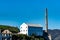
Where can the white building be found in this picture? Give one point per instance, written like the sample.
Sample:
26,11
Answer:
30,29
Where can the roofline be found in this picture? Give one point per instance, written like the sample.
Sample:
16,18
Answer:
35,25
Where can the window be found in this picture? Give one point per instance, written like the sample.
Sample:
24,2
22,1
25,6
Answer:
5,34
26,30
21,27
23,30
26,27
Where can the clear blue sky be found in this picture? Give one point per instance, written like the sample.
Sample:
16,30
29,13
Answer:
15,12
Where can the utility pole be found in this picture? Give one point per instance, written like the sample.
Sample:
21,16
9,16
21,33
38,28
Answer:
46,19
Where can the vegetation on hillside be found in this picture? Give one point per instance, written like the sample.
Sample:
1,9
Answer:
25,37
10,28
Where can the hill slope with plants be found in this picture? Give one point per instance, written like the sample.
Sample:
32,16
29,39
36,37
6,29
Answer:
25,37
10,28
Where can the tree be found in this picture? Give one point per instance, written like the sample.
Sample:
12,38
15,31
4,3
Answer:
10,28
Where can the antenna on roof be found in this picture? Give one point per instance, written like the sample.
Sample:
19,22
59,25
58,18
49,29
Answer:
46,19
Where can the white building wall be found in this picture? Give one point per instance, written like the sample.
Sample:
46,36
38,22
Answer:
24,29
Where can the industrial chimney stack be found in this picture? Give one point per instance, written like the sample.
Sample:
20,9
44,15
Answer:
46,19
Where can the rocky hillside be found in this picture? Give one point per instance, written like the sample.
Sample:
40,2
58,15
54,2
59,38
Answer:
55,34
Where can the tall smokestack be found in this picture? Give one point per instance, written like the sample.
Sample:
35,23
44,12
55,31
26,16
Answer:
46,19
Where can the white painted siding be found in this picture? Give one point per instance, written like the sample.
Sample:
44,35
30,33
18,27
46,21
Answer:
24,29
